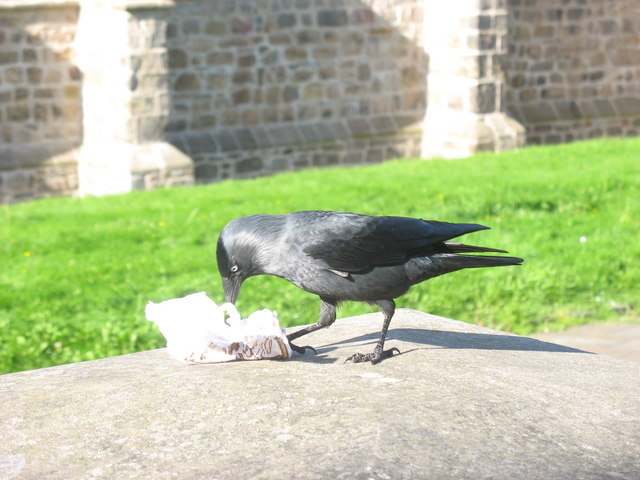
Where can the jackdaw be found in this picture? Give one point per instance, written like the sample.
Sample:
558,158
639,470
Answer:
343,256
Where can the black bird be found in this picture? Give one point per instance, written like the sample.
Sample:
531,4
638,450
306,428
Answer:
345,256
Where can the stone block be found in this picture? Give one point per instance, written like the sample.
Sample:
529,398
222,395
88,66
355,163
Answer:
284,135
246,60
336,129
157,161
540,112
24,93
303,75
14,75
604,107
8,160
280,39
260,136
295,54
187,82
8,57
484,98
198,143
362,16
383,124
309,133
226,140
308,36
245,139
327,72
220,58
74,73
178,142
215,27
359,126
568,110
313,92
241,26
40,113
242,76
18,112
177,58
206,172
626,107
67,111
332,18
325,159
248,165
287,20
217,81
241,96
375,155
19,182
191,26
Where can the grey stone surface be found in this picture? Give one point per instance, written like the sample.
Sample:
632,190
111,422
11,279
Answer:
619,340
461,401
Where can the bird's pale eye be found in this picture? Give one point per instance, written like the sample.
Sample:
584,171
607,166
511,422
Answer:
234,269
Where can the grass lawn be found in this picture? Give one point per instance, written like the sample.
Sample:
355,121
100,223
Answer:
77,273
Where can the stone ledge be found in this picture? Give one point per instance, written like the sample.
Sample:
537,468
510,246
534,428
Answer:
461,401
256,137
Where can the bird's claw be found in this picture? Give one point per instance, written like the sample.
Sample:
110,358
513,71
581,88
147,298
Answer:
301,350
374,357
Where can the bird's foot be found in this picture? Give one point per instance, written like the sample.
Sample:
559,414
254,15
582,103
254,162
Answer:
301,350
374,357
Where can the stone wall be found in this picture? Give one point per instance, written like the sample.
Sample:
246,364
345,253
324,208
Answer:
101,97
574,68
40,102
467,47
258,87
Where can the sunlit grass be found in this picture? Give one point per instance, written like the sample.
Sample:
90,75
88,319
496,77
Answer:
76,273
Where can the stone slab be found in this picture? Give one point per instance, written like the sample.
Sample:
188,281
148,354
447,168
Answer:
461,401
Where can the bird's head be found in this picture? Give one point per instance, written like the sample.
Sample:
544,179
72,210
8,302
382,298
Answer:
240,255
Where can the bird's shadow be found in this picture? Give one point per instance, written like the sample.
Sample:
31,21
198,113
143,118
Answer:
445,339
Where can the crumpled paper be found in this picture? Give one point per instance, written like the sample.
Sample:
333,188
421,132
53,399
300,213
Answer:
199,331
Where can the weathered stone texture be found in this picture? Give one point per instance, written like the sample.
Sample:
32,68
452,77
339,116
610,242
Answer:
573,68
466,109
249,84
459,402
287,66
248,88
40,103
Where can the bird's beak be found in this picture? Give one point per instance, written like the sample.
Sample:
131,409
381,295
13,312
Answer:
231,286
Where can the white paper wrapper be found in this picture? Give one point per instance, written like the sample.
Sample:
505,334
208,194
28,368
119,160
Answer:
199,331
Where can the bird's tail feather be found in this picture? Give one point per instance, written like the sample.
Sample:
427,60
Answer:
455,247
442,263
453,262
423,268
475,261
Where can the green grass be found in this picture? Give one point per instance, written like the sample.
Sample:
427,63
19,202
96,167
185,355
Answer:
77,273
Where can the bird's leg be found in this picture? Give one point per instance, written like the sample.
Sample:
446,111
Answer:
388,308
327,317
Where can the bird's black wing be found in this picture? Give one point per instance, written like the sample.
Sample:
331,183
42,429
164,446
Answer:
353,243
